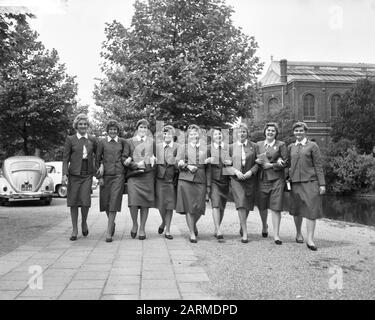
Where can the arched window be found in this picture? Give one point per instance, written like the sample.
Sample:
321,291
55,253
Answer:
335,101
273,104
309,107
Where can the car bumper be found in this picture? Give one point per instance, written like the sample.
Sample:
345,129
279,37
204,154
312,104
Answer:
26,196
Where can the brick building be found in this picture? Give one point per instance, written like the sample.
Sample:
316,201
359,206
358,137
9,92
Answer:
312,89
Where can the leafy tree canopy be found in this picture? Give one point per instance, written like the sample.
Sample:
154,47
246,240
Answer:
37,96
181,62
356,116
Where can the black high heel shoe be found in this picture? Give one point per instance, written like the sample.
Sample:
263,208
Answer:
160,230
73,238
244,240
133,234
142,237
278,242
108,239
168,236
313,248
85,233
193,240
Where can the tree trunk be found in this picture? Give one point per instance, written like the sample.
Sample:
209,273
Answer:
25,142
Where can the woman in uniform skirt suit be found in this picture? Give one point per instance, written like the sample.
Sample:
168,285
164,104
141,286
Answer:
141,178
112,155
193,180
220,176
79,166
244,181
166,177
308,183
271,178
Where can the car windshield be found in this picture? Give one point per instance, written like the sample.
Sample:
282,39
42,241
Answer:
25,165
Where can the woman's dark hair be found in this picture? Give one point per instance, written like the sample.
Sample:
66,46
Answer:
271,124
300,124
144,122
113,123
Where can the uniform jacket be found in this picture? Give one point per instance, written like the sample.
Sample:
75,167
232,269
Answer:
73,153
251,155
166,162
112,155
219,171
305,163
140,150
279,150
190,155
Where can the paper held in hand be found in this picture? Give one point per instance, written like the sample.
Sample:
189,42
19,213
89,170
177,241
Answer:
262,158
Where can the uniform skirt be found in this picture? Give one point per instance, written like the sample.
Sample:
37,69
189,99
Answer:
79,191
219,194
166,194
110,196
191,198
305,200
271,195
243,193
141,190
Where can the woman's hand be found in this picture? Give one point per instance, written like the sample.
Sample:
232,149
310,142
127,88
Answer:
128,161
259,161
209,160
248,174
192,169
322,190
228,162
280,162
267,165
141,164
64,179
100,171
240,175
181,164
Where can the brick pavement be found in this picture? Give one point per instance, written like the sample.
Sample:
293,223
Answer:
91,269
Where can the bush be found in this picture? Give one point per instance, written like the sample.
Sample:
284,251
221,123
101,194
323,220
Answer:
348,171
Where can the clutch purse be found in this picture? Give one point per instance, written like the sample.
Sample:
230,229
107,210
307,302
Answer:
134,173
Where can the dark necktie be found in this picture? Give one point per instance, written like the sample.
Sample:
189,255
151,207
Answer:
220,155
197,155
165,153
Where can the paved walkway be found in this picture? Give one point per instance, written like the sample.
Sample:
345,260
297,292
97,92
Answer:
90,268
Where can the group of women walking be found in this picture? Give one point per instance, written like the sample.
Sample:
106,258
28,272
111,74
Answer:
181,176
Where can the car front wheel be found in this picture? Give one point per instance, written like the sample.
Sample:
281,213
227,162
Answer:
62,191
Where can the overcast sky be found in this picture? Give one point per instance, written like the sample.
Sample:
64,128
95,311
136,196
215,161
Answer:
297,30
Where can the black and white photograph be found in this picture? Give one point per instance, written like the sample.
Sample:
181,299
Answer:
191,153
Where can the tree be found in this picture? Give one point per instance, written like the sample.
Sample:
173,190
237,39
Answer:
181,62
36,95
356,116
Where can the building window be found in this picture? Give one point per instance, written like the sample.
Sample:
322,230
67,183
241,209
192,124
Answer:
273,105
309,107
335,101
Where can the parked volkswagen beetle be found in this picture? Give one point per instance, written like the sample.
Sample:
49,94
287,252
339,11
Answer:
25,178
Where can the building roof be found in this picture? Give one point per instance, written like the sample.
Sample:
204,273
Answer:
318,71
